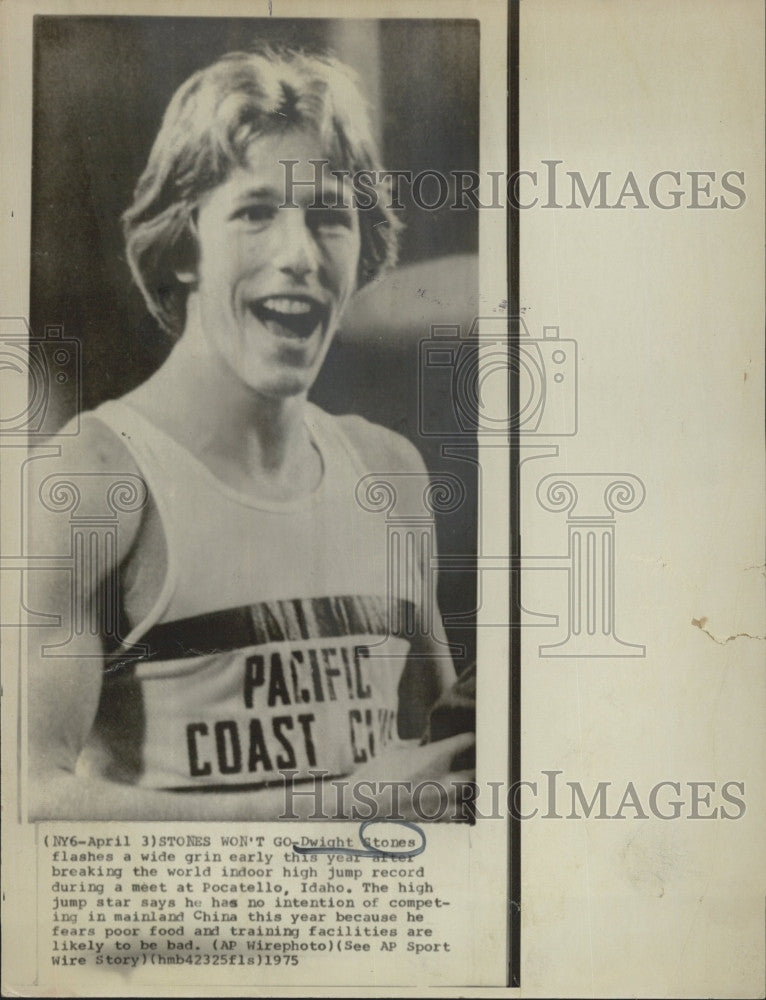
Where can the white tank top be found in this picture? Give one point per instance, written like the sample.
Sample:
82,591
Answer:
269,646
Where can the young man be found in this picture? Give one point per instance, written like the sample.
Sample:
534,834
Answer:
259,632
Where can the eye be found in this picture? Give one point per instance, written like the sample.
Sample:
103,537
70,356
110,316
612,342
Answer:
256,214
329,218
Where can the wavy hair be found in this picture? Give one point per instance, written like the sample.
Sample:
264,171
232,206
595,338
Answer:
206,132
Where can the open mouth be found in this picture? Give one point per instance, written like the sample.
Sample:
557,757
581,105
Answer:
294,316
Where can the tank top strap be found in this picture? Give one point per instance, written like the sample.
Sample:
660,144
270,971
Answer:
152,449
334,442
153,452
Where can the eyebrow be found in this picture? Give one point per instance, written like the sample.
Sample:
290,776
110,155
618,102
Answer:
315,194
261,192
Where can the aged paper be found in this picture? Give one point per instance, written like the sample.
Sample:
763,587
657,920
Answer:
613,268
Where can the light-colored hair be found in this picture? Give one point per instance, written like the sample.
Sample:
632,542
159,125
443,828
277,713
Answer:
206,132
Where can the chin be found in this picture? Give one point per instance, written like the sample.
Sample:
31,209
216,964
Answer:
284,386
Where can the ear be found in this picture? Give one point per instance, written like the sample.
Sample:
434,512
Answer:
185,252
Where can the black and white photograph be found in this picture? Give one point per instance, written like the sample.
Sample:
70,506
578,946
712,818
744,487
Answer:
381,498
244,233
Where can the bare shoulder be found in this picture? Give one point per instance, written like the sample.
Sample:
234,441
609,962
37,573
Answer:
91,471
381,449
91,444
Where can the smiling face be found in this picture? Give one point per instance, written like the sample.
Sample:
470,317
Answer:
272,282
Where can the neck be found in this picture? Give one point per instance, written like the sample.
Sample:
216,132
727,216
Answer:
224,422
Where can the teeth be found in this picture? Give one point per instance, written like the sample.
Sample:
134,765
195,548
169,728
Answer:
291,307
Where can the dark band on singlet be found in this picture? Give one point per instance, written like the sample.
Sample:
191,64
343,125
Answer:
266,622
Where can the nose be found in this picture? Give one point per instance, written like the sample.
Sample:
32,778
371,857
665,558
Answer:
297,255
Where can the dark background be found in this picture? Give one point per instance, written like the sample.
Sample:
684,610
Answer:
101,85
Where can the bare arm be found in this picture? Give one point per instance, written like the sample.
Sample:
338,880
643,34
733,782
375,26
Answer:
430,670
63,698
64,690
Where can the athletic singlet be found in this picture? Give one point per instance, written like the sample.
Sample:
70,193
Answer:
269,646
